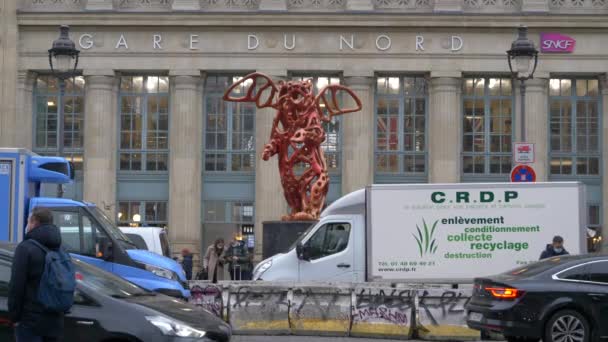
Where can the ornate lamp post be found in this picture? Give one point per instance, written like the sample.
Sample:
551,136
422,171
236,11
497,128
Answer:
63,60
523,59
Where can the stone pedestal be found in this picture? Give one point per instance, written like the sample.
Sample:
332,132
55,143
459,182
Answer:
278,236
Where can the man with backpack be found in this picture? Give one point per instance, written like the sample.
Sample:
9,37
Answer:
42,282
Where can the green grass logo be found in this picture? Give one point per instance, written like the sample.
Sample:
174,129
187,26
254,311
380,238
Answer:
427,243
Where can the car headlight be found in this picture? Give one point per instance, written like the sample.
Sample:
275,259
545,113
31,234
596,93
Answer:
261,268
161,272
171,327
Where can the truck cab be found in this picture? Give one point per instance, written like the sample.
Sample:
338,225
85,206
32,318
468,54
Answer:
332,249
85,230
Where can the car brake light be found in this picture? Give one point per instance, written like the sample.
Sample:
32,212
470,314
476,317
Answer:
504,292
79,276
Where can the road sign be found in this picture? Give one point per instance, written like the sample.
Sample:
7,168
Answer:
523,153
523,173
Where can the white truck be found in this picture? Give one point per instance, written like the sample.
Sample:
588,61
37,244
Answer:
445,233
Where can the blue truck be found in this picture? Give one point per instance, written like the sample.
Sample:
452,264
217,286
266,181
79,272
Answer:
86,231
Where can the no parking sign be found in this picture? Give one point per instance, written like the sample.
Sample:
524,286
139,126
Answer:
523,173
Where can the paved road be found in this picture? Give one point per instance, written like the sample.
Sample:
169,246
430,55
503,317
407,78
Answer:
304,339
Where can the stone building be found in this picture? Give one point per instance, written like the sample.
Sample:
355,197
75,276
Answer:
154,143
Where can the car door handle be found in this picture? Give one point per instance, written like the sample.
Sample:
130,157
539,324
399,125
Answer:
596,295
343,265
85,322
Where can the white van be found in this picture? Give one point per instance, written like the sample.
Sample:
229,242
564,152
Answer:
153,239
434,232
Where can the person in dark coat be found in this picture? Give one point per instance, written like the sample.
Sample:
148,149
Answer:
187,263
32,323
554,249
239,260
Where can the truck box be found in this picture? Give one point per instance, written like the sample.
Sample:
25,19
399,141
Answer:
440,233
454,232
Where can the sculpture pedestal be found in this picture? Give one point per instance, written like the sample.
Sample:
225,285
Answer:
278,236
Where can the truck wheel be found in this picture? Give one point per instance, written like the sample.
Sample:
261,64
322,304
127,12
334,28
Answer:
567,326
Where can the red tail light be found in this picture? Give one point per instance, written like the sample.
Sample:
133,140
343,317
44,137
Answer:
504,292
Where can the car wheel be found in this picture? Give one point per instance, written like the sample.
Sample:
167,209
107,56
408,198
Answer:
567,326
521,339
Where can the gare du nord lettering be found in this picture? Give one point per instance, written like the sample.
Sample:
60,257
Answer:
343,42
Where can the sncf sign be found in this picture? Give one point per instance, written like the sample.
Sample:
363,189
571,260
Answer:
556,43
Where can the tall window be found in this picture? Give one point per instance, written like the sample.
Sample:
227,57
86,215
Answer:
229,128
487,126
228,212
575,126
401,109
49,105
144,123
142,213
333,141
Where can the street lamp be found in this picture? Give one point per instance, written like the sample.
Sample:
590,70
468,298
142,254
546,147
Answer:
63,60
521,54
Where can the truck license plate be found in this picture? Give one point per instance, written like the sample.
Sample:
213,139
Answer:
475,316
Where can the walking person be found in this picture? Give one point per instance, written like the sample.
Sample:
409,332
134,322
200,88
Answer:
187,263
238,259
37,302
554,249
213,262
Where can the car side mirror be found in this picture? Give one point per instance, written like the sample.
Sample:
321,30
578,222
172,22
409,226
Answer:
105,250
303,252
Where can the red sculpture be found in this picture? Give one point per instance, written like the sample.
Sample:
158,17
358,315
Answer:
296,136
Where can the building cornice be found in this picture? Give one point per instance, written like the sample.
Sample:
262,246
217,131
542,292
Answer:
295,20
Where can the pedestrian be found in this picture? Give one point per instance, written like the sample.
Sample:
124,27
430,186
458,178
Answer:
554,249
237,256
213,262
187,263
37,318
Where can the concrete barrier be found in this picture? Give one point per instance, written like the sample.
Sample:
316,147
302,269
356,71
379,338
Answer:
380,311
209,296
401,311
441,315
259,309
321,310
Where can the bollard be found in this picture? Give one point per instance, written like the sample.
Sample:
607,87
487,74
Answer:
322,310
259,309
441,315
382,312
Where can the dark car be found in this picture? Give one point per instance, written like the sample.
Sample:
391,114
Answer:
109,308
560,299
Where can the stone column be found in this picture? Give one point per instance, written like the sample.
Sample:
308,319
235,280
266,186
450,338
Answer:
358,136
270,204
604,132
445,128
8,72
537,124
100,139
23,129
185,175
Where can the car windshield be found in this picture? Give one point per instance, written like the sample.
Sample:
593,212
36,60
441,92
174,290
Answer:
110,227
301,237
536,268
106,283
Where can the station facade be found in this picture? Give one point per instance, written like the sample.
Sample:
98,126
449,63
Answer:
154,144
